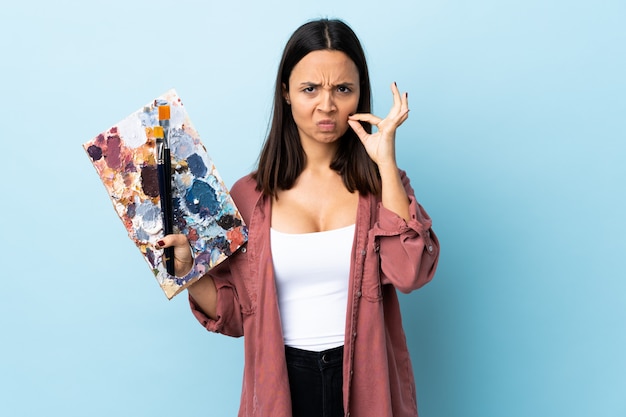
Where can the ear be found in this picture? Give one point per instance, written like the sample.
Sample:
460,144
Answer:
286,94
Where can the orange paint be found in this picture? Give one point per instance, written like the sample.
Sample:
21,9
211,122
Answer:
236,238
164,112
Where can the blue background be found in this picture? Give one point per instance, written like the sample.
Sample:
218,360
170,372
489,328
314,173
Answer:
515,145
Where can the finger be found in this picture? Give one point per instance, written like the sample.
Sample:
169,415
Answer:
404,108
172,240
358,129
183,257
400,103
405,102
398,99
395,92
366,117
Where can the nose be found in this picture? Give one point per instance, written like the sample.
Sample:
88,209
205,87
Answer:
327,102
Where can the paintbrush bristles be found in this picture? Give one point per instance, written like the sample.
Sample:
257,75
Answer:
158,132
164,112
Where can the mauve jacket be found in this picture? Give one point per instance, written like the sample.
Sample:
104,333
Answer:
388,253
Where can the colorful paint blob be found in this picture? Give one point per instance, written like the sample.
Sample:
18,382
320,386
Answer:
124,157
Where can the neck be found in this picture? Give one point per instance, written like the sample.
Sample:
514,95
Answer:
319,155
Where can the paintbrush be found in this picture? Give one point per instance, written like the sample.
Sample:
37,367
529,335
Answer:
164,170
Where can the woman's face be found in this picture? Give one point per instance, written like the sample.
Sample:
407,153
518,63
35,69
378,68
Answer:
323,92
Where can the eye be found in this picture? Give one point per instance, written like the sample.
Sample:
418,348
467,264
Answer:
344,89
309,89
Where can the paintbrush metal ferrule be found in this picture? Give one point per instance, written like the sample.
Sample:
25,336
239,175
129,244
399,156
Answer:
160,143
160,151
165,125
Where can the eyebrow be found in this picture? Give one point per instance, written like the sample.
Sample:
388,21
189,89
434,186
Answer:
312,84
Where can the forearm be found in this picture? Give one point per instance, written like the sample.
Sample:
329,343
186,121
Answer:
408,250
204,293
394,196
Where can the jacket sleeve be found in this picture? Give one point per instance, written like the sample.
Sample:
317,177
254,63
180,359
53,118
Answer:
232,297
409,251
229,318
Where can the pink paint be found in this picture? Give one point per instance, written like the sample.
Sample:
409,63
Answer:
114,148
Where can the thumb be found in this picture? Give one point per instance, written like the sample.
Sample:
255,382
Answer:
358,129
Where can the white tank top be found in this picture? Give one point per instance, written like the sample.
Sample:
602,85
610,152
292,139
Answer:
312,274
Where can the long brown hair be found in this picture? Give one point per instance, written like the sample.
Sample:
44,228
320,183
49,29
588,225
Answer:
282,158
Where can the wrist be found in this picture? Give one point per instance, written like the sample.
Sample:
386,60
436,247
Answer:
388,168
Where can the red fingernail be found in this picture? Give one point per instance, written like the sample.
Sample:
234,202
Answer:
160,243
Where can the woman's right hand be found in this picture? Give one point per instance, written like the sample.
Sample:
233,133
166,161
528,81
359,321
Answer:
183,259
202,291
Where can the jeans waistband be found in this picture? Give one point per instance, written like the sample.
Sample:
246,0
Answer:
312,359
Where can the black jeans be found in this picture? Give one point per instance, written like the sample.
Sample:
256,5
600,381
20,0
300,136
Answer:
315,381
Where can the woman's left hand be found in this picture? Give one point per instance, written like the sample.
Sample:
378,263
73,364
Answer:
380,145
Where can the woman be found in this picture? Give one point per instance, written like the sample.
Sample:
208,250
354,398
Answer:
334,230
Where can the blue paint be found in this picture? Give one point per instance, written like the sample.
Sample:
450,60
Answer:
150,215
130,210
201,199
182,145
197,166
149,117
142,235
179,215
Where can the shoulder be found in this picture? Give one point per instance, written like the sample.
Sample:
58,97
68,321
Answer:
245,185
245,194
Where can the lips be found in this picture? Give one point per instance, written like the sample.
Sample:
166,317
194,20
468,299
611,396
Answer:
326,125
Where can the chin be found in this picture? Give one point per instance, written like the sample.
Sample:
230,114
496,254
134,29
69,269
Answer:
329,138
